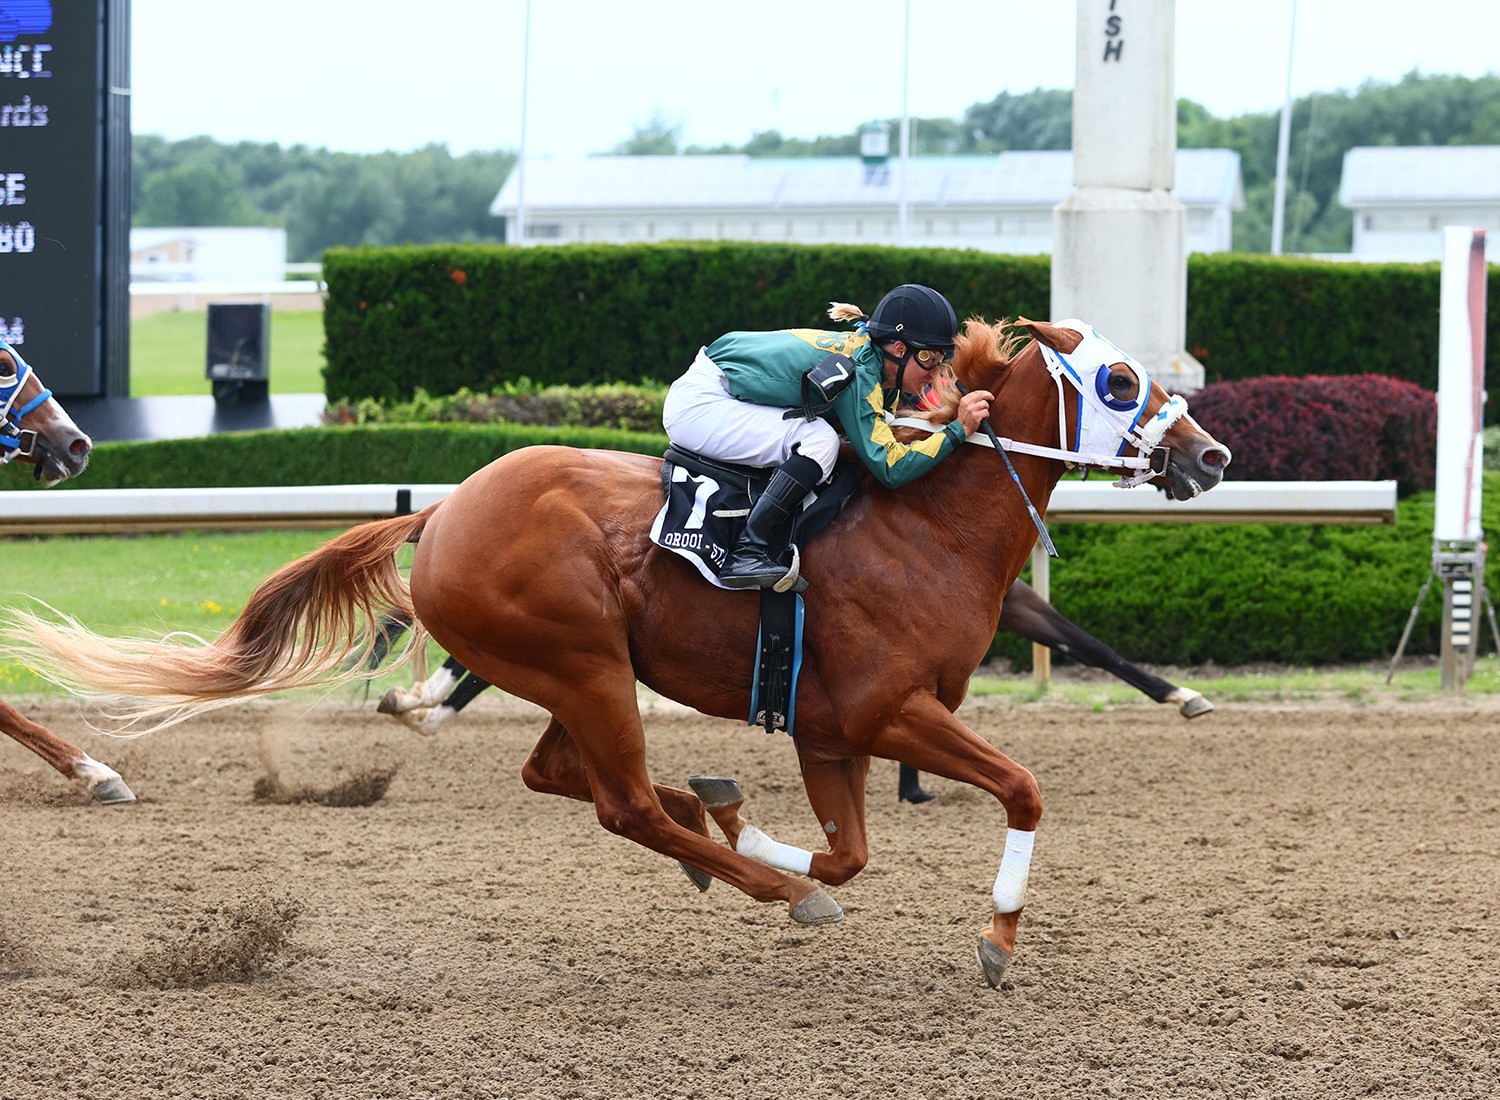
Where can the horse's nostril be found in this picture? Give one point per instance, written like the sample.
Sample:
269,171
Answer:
80,447
1215,458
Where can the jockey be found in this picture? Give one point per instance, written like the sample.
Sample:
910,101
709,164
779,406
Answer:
731,405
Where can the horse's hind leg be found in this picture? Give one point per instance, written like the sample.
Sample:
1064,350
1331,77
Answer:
103,782
555,767
605,728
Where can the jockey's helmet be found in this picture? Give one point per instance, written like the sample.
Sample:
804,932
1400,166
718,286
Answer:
916,314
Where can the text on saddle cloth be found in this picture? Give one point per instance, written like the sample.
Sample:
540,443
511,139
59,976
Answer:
707,503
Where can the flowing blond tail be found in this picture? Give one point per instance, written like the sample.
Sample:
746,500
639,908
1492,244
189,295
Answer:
311,623
843,311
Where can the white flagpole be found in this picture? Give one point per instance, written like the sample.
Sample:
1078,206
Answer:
905,130
521,153
1283,143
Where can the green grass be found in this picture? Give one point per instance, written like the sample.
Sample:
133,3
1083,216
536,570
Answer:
147,585
1363,684
168,353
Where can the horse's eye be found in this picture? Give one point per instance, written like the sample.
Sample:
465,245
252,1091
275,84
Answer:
1122,385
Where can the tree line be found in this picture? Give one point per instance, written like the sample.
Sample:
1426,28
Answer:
430,196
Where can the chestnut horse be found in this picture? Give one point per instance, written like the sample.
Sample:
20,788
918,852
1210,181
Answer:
34,428
539,575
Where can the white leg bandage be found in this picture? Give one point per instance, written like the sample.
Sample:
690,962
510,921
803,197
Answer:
1015,865
436,687
758,846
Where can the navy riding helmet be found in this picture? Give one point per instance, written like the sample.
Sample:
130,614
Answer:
916,314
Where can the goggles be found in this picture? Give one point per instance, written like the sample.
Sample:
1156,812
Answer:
933,357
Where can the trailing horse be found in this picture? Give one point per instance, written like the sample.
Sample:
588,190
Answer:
538,573
35,429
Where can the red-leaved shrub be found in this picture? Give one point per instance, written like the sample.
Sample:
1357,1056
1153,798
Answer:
1363,427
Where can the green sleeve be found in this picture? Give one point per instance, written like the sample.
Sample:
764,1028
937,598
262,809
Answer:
893,463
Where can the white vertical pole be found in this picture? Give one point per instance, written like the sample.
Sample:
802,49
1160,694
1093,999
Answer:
521,153
1460,435
1458,550
905,128
1283,142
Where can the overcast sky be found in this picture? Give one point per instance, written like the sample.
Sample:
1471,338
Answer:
368,75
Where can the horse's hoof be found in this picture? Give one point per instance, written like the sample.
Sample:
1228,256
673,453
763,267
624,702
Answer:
390,702
1193,704
817,908
716,790
992,961
701,879
112,791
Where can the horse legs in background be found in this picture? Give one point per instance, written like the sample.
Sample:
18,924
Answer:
1024,612
103,782
909,788
428,705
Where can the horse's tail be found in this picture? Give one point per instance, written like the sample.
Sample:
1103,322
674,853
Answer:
311,623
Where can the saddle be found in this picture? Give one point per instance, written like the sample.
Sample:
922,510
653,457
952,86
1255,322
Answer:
704,511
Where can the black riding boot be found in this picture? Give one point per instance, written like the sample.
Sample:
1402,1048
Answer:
750,564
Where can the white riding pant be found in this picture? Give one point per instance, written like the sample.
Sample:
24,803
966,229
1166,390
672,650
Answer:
702,415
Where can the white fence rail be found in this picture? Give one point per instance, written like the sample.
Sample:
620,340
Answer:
104,511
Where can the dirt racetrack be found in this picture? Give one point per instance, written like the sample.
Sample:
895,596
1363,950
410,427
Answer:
1276,900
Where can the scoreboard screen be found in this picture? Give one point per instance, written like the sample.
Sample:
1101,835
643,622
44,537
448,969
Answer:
61,245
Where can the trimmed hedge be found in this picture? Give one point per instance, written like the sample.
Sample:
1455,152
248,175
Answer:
1179,594
1250,316
1239,594
448,316
451,316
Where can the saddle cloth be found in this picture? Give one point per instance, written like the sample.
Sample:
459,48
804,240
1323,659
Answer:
707,503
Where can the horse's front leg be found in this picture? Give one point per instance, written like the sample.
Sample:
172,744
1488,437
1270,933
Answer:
928,737
836,792
102,781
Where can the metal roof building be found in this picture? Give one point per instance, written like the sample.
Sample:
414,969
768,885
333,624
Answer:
1403,196
998,204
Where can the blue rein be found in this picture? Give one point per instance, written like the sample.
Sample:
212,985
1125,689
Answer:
16,442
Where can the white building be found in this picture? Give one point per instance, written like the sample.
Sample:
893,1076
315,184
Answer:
995,203
1403,196
207,254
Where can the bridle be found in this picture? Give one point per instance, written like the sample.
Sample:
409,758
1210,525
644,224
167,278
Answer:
1101,422
15,441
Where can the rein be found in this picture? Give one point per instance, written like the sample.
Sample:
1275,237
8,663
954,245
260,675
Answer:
16,441
995,441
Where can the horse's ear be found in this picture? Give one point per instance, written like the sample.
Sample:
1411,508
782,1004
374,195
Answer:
1058,339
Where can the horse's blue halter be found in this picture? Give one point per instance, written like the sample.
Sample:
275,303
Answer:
15,441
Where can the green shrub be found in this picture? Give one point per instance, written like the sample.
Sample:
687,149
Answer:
476,316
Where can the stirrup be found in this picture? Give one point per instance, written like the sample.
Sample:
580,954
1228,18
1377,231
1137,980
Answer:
793,581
